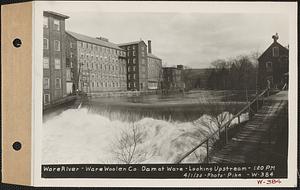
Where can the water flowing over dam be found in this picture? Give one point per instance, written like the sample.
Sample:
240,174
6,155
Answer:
129,132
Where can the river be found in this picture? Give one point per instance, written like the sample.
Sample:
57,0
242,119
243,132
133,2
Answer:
146,129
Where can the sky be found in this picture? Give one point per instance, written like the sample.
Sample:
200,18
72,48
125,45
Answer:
191,38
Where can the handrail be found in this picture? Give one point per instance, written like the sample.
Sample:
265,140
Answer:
222,126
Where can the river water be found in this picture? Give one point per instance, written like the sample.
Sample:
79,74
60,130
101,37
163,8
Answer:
148,129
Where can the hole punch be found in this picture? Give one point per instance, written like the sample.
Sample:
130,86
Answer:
17,42
17,146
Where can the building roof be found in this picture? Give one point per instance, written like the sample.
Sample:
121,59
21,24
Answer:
92,40
153,56
273,44
131,43
57,14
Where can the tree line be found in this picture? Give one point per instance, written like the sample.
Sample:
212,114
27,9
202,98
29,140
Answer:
234,74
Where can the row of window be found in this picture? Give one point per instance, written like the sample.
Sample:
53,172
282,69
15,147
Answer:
104,84
96,58
105,67
98,48
134,85
56,24
56,44
133,53
101,75
46,83
133,76
46,65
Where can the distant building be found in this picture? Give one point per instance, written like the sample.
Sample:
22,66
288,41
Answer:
274,65
154,70
196,78
54,57
172,78
94,64
137,66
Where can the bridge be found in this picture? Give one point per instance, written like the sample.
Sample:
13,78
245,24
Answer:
263,138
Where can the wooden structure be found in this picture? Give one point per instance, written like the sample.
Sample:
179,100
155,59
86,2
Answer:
273,66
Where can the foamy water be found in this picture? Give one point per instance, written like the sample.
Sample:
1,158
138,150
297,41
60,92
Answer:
79,136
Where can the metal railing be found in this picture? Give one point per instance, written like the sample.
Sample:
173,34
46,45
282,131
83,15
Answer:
226,125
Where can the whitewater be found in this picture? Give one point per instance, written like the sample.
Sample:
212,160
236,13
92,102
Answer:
79,136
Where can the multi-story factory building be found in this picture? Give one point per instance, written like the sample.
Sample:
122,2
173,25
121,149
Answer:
54,57
95,64
154,70
137,66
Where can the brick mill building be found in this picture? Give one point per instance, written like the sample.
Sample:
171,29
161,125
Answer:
94,64
54,57
154,70
274,66
137,66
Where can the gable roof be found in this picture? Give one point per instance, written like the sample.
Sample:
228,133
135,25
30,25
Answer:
153,56
131,43
271,46
92,40
56,14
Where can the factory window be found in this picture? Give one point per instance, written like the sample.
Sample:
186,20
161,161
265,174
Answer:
56,25
46,43
45,23
71,45
133,60
46,83
57,83
56,45
71,54
71,64
269,66
133,53
134,76
133,68
46,62
68,74
46,99
275,51
57,63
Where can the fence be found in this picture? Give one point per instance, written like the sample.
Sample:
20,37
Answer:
252,108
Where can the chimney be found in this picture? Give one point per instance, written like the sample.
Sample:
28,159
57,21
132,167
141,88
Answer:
149,46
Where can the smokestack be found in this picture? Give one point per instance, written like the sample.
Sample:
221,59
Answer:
149,46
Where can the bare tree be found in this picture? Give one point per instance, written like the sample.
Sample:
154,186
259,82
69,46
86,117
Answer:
125,148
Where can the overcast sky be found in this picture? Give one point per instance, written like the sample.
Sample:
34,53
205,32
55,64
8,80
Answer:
190,38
